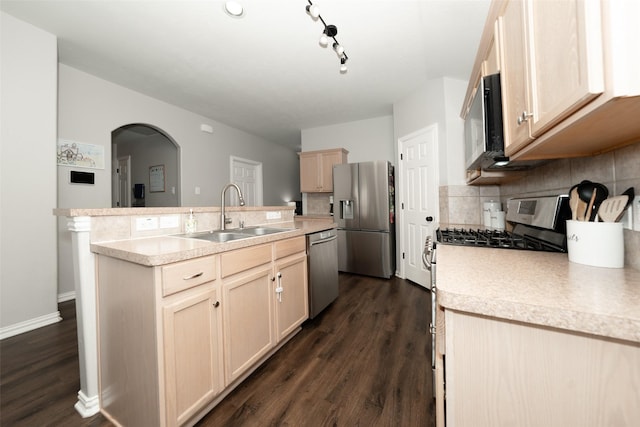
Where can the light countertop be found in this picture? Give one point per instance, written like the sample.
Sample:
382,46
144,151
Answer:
160,250
540,288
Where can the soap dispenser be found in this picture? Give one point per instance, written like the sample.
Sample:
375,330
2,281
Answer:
190,223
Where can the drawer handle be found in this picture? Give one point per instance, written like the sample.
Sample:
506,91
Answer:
193,276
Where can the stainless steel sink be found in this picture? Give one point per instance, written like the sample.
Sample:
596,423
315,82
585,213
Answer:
216,236
220,236
261,231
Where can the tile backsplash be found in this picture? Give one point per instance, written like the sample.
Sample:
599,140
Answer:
618,170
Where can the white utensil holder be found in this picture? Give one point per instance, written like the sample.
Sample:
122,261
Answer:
599,244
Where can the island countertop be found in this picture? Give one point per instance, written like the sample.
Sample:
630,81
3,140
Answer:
540,288
160,250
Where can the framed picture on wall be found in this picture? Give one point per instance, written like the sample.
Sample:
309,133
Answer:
156,179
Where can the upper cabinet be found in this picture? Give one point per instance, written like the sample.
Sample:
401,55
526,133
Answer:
316,169
552,64
568,74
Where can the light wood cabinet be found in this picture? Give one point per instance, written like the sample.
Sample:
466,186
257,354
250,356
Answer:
159,340
192,354
175,339
504,373
265,300
552,64
291,296
569,76
316,169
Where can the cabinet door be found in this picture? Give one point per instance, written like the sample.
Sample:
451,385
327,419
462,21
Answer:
193,355
291,294
309,173
328,160
565,58
248,320
513,78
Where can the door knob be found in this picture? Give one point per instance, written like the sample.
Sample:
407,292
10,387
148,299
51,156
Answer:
429,218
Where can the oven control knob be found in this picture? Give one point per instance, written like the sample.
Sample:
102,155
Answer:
429,218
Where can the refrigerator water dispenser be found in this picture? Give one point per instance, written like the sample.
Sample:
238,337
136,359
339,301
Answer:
346,209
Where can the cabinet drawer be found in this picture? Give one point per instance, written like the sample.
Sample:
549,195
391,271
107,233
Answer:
183,275
243,259
288,247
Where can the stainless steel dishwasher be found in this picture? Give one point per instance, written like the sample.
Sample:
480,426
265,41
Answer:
322,257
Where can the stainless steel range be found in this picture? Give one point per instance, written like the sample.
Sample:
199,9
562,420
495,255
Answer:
539,224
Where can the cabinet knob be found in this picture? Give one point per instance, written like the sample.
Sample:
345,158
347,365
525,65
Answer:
429,218
216,304
524,117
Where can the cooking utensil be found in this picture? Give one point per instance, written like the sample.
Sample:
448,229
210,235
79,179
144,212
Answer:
574,199
589,212
585,192
629,192
613,208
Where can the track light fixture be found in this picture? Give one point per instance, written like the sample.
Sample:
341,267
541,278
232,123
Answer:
330,31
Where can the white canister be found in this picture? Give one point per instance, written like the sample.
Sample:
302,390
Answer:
600,244
488,209
498,220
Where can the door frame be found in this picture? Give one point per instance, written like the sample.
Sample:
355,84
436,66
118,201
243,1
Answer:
399,177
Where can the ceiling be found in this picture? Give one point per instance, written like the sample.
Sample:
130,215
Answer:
265,73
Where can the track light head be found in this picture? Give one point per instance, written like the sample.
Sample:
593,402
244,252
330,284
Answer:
329,31
338,48
343,65
313,11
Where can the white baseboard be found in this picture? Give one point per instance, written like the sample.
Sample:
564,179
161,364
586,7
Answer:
30,325
67,296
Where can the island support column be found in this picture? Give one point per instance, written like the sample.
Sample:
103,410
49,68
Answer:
85,286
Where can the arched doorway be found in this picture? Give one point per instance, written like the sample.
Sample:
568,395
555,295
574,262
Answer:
145,167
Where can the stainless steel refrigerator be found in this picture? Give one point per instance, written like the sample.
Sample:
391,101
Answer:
363,200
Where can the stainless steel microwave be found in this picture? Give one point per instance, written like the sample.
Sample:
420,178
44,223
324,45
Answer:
483,132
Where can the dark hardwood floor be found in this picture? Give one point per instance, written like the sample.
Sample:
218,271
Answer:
365,361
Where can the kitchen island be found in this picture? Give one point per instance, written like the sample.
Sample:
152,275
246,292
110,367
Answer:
147,237
530,339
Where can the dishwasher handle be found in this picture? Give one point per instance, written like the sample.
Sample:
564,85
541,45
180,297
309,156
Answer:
328,239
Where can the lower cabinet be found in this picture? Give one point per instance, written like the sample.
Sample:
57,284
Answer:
248,320
159,339
192,354
265,299
505,373
175,338
291,294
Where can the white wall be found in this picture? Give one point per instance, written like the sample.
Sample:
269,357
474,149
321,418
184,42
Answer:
28,93
90,108
437,101
366,140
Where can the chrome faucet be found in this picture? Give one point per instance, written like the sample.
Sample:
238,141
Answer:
223,220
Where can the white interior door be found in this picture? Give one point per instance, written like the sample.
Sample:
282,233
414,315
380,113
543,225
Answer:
247,174
418,199
123,172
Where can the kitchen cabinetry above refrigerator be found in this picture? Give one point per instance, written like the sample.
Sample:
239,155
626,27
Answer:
569,75
316,169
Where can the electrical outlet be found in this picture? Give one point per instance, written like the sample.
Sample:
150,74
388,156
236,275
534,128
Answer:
274,215
635,214
148,223
172,221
